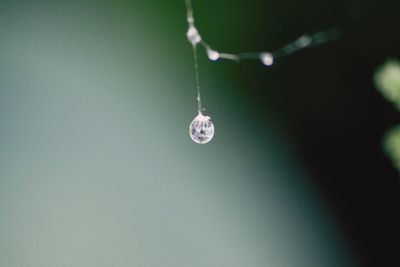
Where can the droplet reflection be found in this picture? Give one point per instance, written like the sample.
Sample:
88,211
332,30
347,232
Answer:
201,129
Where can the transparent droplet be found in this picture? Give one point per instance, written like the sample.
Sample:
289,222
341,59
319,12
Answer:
201,129
193,35
212,54
303,41
267,59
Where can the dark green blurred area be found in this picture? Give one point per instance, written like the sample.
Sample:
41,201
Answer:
325,100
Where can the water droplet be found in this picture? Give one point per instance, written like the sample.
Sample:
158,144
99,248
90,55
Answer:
193,35
201,129
267,59
303,41
212,54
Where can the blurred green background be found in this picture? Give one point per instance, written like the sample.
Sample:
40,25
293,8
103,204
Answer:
97,167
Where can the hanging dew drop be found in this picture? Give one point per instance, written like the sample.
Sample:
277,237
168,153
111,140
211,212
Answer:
201,129
193,35
212,54
267,58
